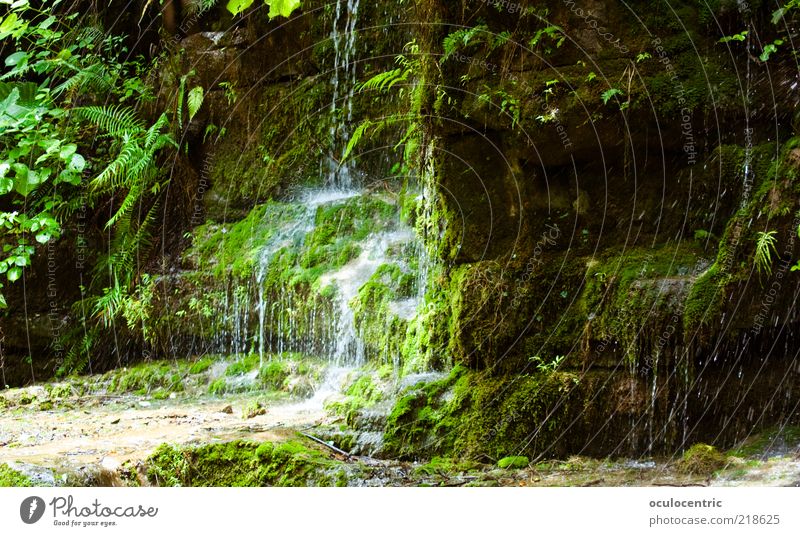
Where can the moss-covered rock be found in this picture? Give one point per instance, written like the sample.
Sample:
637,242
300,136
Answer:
702,459
9,478
513,462
242,463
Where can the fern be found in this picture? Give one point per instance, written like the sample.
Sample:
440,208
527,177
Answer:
386,80
765,249
194,101
463,38
134,174
115,121
609,94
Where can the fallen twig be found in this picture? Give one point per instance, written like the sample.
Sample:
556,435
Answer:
325,444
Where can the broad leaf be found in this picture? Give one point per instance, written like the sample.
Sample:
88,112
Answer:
76,163
282,8
237,6
14,273
194,101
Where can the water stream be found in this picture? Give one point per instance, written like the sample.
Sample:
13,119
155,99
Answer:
343,37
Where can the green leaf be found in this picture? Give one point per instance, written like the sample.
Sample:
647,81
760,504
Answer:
69,177
67,151
237,6
282,8
8,25
42,238
3,303
607,95
194,101
736,37
25,179
14,59
77,163
14,273
9,101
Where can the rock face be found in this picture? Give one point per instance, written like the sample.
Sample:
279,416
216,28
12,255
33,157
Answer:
592,186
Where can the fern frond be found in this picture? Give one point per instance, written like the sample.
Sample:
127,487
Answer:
194,100
133,197
114,175
94,77
356,137
386,80
114,120
765,249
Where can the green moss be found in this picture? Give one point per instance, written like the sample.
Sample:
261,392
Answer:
382,331
146,378
243,365
760,445
513,462
10,478
445,466
702,459
274,374
201,365
218,387
339,228
362,393
470,414
235,248
243,463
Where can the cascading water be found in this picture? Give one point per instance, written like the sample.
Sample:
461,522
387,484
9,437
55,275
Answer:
349,347
343,37
289,235
320,320
744,9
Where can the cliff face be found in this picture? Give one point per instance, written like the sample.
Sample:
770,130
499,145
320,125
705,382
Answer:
588,181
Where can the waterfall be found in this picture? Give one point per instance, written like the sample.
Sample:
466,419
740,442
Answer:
291,235
744,10
343,37
322,322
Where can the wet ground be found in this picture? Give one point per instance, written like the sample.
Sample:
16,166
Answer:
50,439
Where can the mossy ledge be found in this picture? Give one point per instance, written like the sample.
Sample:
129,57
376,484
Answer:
245,464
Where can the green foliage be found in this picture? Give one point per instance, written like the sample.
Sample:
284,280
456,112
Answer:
148,378
547,367
550,34
277,8
42,168
464,38
770,49
243,463
508,103
273,375
765,249
741,36
403,76
9,478
609,94
702,459
243,365
513,462
201,365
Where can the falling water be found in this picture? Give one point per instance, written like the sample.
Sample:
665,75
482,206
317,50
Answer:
343,37
744,9
290,235
349,347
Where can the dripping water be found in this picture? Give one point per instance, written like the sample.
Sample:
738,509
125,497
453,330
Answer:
343,37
